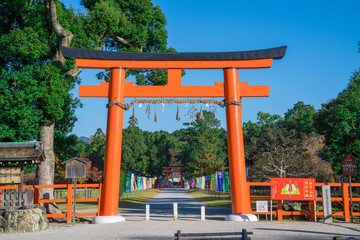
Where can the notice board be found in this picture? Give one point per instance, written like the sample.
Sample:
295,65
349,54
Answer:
299,189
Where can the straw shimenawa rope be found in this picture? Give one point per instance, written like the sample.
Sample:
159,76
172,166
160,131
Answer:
127,106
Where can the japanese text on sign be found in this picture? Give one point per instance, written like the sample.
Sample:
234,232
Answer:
293,189
348,165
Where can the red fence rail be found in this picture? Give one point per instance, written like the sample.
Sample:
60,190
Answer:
344,198
278,212
68,200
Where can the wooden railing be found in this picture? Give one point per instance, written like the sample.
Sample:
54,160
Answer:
345,199
68,200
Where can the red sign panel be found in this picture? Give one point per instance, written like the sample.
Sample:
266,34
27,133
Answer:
349,165
300,189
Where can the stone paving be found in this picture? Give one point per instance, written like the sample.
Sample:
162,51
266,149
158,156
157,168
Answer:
162,226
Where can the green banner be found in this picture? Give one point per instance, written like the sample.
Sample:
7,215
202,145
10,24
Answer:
128,183
139,183
226,181
122,183
213,182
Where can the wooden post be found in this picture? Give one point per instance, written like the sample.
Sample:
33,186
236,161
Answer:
69,203
345,188
99,204
279,210
240,190
167,180
111,180
74,202
175,208
351,202
36,195
181,180
147,212
312,210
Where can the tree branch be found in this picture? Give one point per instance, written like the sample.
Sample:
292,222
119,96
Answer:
123,41
73,72
64,36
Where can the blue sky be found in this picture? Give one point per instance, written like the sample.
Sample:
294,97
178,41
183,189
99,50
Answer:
321,36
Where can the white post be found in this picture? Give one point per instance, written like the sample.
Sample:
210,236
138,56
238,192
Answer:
147,218
270,210
175,211
202,213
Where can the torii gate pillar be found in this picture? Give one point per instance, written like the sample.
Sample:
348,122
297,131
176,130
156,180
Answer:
111,181
240,192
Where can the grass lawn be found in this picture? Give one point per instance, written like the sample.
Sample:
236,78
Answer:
219,200
127,201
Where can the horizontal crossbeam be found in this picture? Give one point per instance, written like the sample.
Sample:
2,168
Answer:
245,90
86,58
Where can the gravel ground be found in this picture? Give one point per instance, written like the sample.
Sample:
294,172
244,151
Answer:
162,226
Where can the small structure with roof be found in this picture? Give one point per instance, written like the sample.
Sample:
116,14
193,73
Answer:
13,157
75,167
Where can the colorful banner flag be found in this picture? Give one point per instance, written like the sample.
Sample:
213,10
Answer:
220,181
132,182
139,183
226,181
128,183
213,182
122,183
202,183
135,184
144,183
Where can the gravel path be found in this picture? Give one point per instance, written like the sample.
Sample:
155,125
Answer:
162,226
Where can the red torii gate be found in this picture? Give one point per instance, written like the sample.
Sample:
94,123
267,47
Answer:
172,169
116,90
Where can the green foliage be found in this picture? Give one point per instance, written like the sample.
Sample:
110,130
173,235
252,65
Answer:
70,146
277,147
159,146
133,156
33,90
301,119
265,121
339,122
203,150
97,149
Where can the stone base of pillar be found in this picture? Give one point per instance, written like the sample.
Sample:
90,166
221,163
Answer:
241,218
107,219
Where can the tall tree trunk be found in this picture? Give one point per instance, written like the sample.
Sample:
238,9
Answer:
45,170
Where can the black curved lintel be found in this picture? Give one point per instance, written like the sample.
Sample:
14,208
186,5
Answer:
274,53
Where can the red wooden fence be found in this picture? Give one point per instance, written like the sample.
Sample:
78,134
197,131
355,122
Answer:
279,212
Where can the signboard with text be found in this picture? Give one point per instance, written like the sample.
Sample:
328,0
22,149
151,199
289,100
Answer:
300,189
10,175
348,164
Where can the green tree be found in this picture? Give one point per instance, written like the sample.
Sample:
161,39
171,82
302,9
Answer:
70,146
253,131
133,156
203,151
264,122
277,147
339,122
97,149
161,145
37,78
301,119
